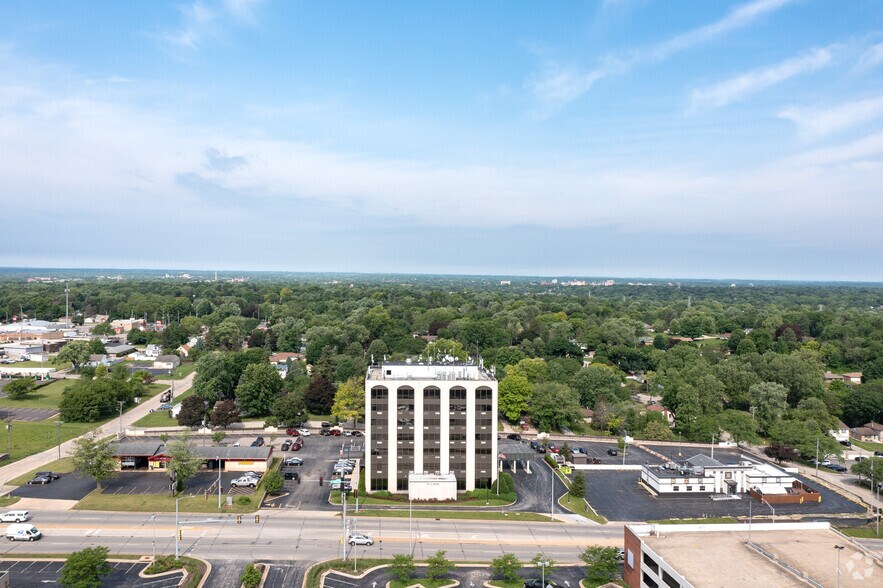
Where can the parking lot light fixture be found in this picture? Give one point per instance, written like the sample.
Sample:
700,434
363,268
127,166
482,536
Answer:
543,565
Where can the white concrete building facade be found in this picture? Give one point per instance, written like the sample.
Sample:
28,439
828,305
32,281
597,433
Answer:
430,419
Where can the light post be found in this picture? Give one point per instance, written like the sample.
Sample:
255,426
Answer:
177,528
58,434
410,532
121,402
9,437
679,444
839,548
154,536
219,481
749,521
542,564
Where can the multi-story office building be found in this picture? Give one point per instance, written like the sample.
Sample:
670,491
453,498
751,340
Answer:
430,422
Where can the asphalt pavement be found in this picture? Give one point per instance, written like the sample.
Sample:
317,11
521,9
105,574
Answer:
27,574
466,575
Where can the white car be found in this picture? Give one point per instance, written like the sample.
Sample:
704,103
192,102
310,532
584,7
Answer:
304,432
245,481
15,516
360,539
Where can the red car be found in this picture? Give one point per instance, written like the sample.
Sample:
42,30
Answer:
292,432
335,432
296,447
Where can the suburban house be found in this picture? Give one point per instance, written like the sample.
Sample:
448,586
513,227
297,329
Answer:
118,349
841,433
588,415
669,415
126,325
871,432
97,359
166,362
184,350
153,350
849,377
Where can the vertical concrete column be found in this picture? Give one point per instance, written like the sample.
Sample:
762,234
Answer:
470,437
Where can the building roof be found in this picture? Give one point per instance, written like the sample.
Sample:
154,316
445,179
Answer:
874,426
136,449
704,461
863,432
588,412
429,371
168,358
852,374
657,408
697,556
149,449
285,356
118,348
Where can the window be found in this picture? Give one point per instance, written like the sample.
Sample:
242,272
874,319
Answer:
689,488
702,488
676,488
379,484
431,392
458,422
379,393
406,437
406,393
651,563
630,558
436,408
650,582
431,422
482,437
483,407
457,436
669,581
484,393
458,393
458,407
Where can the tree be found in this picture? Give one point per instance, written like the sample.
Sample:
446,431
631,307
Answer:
438,349
290,409
548,563
740,425
192,412
273,482
84,568
864,404
19,389
781,452
144,376
534,369
349,400
184,461
656,430
601,563
507,566
225,413
402,567
319,395
598,381
578,487
258,389
87,401
864,469
104,328
770,400
93,457
218,437
438,565
75,352
566,452
96,347
514,390
554,405
251,576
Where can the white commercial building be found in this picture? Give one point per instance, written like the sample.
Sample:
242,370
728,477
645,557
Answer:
703,475
430,423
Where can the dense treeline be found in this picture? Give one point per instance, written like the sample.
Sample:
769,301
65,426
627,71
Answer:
768,372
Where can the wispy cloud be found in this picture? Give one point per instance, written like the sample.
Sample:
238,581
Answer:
201,21
820,122
871,58
557,85
729,91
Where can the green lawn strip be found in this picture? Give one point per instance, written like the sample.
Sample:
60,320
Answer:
861,532
195,568
30,437
371,501
161,418
7,501
479,515
425,582
165,503
314,573
708,521
36,364
575,504
65,465
868,445
180,372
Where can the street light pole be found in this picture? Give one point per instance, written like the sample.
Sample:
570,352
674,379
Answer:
219,482
542,565
749,521
9,437
122,402
154,536
410,531
177,529
839,548
58,432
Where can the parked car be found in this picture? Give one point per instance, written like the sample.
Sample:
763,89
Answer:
289,475
40,480
326,425
245,481
257,475
165,406
305,432
341,485
51,475
553,448
514,436
23,532
538,583
360,539
846,443
860,457
259,442
878,453
15,516
335,432
297,447
325,432
357,433
286,445
612,451
838,468
294,461
292,432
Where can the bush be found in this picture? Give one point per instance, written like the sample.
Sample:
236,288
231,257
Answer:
251,577
438,565
19,389
507,566
243,500
402,567
83,569
381,494
273,482
578,486
506,483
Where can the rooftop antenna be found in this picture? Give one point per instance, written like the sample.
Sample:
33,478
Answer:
67,307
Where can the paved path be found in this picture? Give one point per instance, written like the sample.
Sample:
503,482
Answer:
112,427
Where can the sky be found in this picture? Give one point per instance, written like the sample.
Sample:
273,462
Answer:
598,138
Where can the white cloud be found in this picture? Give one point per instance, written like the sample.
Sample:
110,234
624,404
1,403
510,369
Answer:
820,122
751,82
871,58
243,10
201,21
557,85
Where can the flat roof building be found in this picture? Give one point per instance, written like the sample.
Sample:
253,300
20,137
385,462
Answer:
430,419
731,556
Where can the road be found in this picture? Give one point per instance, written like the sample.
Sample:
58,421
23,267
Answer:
308,536
111,427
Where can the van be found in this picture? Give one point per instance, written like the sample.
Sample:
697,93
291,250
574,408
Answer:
15,516
23,532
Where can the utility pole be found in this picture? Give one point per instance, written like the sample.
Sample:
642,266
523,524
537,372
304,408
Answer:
343,529
122,402
219,482
177,528
839,548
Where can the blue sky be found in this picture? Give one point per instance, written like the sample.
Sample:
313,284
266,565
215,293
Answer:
619,137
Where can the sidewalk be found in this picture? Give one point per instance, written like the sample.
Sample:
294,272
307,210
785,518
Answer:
112,427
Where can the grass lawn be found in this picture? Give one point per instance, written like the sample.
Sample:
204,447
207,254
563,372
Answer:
708,521
30,437
869,446
195,568
161,418
163,503
862,533
7,501
314,574
65,465
180,372
477,515
48,396
48,364
578,506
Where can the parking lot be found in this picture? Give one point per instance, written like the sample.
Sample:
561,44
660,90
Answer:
467,576
158,483
27,414
123,574
67,487
633,455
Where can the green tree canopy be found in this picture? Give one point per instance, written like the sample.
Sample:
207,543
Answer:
84,568
259,387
